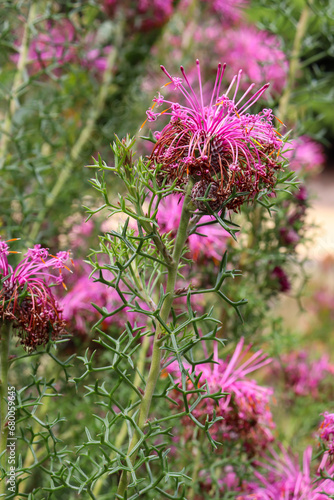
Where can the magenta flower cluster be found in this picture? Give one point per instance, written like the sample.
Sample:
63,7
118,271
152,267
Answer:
225,148
26,299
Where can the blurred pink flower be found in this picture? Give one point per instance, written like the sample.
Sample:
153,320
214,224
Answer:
79,233
279,276
302,375
245,409
258,53
306,154
142,15
284,479
58,43
323,302
54,44
83,291
96,58
207,247
229,10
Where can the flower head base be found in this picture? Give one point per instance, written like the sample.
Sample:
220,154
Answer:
26,299
233,155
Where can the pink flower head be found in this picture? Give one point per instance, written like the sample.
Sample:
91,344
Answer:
245,409
26,298
216,136
95,58
58,43
306,154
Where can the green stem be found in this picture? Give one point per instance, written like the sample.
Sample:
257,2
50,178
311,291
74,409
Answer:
84,137
197,467
5,332
294,62
124,429
154,371
17,82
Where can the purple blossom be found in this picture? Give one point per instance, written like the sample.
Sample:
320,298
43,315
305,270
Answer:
26,298
302,194
306,154
245,409
79,233
288,236
212,137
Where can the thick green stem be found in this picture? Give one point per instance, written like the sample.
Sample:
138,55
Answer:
294,62
155,367
84,137
5,331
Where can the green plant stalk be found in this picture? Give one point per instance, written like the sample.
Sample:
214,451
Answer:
84,137
42,411
5,332
154,371
294,62
124,429
17,82
197,467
